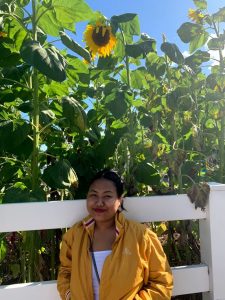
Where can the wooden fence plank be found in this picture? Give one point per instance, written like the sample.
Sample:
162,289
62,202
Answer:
61,214
184,278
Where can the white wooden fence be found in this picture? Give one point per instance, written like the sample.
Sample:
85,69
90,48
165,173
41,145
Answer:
207,277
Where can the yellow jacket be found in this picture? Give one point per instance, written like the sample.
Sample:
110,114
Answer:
136,269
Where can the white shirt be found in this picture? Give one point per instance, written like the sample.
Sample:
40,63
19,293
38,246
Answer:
100,257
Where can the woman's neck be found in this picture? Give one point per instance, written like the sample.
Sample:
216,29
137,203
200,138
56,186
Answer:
105,226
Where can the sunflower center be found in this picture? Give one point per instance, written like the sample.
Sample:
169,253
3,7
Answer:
101,36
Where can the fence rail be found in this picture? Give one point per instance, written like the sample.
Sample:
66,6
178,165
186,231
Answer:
206,277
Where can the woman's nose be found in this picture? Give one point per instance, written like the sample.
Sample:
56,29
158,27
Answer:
100,201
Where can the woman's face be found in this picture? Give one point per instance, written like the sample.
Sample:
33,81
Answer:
102,200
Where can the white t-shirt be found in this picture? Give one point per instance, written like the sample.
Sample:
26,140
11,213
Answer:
100,257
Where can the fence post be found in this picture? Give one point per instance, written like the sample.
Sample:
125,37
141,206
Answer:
212,242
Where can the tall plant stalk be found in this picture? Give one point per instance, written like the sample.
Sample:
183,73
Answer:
35,116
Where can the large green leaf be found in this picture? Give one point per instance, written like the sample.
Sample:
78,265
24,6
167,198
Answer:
74,114
74,46
201,4
220,15
188,31
141,48
146,174
173,52
116,104
138,78
13,135
6,95
216,43
71,11
17,193
198,41
48,61
119,50
196,59
155,64
48,22
61,175
129,23
63,14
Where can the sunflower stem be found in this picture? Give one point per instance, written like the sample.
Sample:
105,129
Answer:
126,58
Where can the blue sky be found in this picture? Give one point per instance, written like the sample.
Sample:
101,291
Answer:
156,16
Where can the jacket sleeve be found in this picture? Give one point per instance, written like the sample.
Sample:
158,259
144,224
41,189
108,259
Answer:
64,273
159,281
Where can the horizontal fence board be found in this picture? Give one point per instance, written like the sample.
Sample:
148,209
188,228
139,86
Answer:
61,214
188,279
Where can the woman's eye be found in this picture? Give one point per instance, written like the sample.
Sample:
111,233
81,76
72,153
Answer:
92,196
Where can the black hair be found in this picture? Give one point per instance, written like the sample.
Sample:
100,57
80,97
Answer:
113,176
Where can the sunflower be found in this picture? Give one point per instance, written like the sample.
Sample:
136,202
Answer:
99,39
195,15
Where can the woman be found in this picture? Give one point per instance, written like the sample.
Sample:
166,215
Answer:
106,256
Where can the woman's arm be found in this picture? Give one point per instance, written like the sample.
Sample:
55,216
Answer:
159,283
64,274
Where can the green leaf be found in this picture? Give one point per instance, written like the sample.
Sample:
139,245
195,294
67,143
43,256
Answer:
216,44
119,50
48,22
3,251
74,114
188,31
117,124
219,16
201,4
173,52
198,41
13,136
6,95
71,11
116,104
129,23
17,193
197,59
48,61
63,14
145,173
107,63
155,64
140,48
74,46
26,107
61,175
138,78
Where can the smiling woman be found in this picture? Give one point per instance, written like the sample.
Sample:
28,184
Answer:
106,256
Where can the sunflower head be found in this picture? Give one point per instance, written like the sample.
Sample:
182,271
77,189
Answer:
99,39
195,15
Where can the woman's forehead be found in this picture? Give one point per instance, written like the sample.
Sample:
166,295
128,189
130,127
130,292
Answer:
102,184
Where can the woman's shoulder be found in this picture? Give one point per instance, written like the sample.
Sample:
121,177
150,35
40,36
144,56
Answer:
73,230
140,229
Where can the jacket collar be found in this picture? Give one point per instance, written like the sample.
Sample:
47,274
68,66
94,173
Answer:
89,222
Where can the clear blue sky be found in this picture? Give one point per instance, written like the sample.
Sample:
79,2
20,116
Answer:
156,16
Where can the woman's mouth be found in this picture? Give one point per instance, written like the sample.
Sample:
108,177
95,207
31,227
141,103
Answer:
99,210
